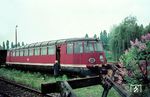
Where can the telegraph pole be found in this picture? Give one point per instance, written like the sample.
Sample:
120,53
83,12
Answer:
16,35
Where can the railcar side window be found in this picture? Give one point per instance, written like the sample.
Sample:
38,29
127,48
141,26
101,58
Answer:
8,53
21,52
37,51
78,48
13,53
98,46
88,47
31,52
26,52
69,48
51,50
17,53
44,51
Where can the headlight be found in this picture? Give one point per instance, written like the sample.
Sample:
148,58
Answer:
91,60
101,58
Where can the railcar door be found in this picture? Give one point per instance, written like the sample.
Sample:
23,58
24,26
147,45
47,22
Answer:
58,53
67,53
3,55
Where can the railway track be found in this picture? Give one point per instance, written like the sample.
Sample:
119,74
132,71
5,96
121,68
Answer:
4,95
12,89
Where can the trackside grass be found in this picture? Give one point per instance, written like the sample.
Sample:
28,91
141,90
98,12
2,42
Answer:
94,91
31,79
36,79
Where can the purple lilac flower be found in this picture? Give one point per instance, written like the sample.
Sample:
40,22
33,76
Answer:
148,36
132,43
136,43
145,37
142,46
126,51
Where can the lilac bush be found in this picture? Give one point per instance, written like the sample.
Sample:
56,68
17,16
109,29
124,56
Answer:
137,62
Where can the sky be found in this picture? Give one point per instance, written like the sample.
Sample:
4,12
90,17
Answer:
43,20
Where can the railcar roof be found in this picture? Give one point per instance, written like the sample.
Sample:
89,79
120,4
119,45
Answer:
55,42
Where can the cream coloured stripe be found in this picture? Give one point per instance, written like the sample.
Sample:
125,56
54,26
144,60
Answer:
45,64
48,64
73,65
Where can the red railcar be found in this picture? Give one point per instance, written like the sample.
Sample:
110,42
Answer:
75,55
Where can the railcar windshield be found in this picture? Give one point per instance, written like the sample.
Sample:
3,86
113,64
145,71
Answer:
84,46
91,46
88,47
98,46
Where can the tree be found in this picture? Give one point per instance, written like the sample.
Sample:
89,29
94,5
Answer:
22,43
122,34
7,44
147,29
18,45
101,36
12,45
86,36
3,45
104,38
95,36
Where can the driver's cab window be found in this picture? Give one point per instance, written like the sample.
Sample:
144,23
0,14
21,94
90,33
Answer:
88,47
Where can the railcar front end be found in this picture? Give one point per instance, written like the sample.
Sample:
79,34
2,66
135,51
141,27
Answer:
83,56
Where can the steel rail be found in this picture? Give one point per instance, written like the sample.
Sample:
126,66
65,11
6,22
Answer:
23,87
4,95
